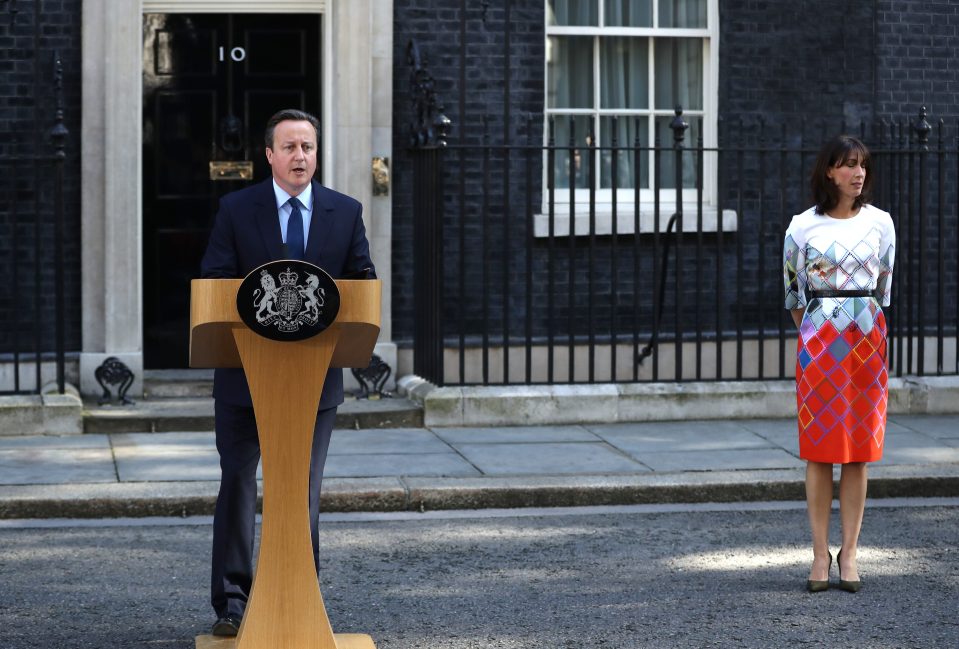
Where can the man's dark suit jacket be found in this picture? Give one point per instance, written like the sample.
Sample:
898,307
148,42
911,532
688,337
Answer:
246,234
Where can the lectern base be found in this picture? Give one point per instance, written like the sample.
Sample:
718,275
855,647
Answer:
343,641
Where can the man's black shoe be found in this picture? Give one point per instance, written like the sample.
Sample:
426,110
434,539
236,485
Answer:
227,625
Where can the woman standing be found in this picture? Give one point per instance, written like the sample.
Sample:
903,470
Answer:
837,267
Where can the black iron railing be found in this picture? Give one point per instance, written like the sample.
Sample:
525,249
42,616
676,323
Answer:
578,262
32,157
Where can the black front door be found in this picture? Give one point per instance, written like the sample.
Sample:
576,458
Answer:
210,82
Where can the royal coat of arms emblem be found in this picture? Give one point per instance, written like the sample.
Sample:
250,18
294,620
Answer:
288,300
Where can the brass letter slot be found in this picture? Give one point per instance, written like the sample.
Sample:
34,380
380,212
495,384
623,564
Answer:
231,170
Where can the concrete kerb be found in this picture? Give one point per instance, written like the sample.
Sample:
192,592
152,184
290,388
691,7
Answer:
934,395
550,404
701,400
438,493
624,402
39,414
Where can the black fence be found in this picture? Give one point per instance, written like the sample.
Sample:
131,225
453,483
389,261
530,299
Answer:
580,262
32,155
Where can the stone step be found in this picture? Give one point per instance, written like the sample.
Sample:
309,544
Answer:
180,414
172,384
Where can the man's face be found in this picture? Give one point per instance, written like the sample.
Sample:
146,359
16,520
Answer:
293,155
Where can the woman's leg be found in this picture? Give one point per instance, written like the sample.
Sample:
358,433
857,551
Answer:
819,504
852,504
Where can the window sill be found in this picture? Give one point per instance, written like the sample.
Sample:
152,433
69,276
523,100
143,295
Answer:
626,221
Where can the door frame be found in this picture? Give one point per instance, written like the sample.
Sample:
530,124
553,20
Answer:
357,126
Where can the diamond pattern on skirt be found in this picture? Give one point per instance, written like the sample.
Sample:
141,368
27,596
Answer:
841,386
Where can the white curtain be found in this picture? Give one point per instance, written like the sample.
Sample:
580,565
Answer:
625,130
624,84
570,85
682,13
624,72
572,12
570,72
628,13
667,158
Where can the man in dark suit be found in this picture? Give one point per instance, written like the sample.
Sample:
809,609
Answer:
287,216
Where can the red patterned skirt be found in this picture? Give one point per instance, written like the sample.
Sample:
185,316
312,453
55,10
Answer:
841,391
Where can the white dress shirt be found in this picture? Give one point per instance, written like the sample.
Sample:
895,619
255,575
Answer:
284,210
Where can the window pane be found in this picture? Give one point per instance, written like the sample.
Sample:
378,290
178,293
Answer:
625,134
667,157
624,73
682,13
563,129
628,13
572,12
569,70
679,73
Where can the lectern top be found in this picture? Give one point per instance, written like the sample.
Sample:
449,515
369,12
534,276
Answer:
214,315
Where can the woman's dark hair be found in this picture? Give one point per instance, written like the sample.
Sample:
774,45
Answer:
835,153
290,114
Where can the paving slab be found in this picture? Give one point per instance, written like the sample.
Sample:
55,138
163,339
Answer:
910,447
783,433
402,441
391,464
548,458
940,426
54,441
404,468
186,456
725,460
188,441
679,436
27,466
168,466
515,434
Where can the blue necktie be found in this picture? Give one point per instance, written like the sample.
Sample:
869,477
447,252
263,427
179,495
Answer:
294,231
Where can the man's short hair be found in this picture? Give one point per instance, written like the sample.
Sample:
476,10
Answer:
289,114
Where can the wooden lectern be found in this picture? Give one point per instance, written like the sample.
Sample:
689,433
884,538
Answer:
285,609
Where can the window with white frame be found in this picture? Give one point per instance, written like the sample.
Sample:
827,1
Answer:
617,69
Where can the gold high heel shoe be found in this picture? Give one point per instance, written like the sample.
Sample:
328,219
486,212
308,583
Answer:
847,585
819,585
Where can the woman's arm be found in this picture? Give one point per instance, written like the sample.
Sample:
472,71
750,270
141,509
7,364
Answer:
797,316
794,271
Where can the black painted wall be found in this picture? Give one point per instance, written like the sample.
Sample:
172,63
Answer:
26,116
810,60
790,72
473,50
809,65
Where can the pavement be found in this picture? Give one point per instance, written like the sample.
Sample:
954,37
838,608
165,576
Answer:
419,469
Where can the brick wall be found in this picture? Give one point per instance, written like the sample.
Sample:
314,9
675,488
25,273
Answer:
792,72
917,58
26,115
477,114
809,65
792,61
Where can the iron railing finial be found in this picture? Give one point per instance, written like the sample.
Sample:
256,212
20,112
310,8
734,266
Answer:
922,127
679,126
59,132
428,126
